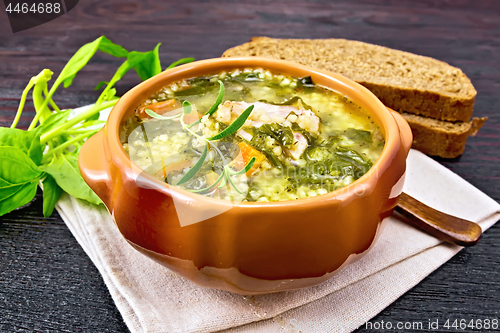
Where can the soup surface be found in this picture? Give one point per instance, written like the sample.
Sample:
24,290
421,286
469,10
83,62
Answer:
250,135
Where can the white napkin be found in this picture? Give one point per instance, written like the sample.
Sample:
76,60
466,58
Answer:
151,298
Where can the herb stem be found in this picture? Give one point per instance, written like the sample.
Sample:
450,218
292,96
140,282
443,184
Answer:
39,102
22,102
245,169
211,186
77,131
230,180
194,169
155,115
88,124
43,106
202,137
75,120
223,182
47,155
124,67
51,102
216,104
189,130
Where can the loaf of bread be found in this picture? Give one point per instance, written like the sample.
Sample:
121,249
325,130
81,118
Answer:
435,98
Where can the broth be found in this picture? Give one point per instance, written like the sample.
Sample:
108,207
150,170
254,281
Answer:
300,140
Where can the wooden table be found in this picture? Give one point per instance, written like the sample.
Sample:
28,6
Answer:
47,283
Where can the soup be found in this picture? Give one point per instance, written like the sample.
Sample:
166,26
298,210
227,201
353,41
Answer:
251,135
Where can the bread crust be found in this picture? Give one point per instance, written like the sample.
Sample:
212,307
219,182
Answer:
402,81
424,103
441,138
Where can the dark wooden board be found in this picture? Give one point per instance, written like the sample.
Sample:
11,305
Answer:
47,283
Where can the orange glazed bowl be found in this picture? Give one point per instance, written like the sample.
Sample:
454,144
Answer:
247,247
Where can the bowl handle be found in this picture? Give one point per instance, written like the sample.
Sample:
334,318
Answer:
404,130
95,168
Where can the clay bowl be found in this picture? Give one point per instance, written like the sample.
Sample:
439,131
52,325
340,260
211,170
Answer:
247,248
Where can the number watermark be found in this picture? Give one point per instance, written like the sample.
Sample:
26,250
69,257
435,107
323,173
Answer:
26,14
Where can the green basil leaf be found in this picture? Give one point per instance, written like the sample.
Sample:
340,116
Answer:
24,194
195,168
8,190
19,177
146,64
51,193
83,56
16,167
26,141
235,125
111,48
77,62
64,169
180,62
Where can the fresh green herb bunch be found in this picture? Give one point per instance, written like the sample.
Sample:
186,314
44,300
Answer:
48,151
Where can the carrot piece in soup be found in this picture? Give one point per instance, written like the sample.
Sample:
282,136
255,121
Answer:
247,152
160,108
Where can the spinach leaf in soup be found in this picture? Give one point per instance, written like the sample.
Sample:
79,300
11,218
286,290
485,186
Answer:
358,135
360,164
197,87
296,101
282,134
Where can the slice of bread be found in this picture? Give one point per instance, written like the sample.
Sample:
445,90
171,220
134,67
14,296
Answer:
441,138
402,81
435,98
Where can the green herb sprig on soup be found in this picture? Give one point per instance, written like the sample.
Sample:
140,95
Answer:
250,135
